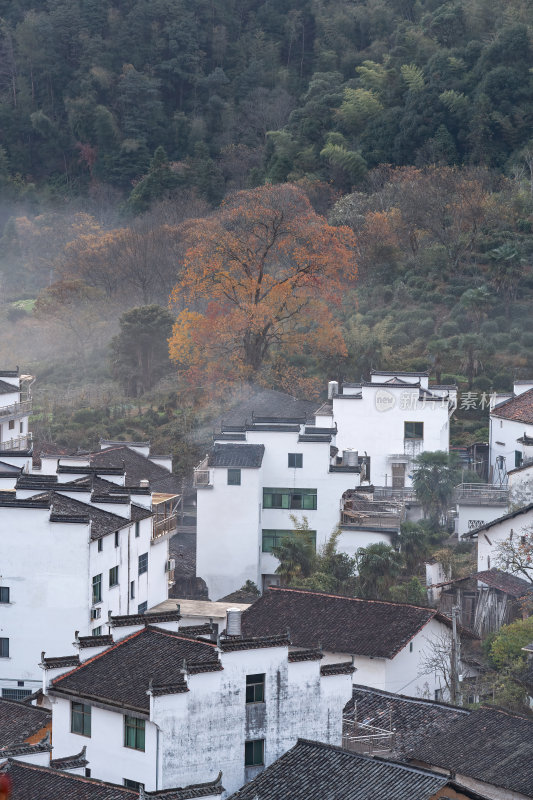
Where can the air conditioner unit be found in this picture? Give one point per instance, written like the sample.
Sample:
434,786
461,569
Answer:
171,565
96,613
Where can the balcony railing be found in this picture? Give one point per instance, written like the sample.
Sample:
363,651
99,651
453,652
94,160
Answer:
17,443
388,493
363,519
202,479
361,738
16,409
482,493
165,525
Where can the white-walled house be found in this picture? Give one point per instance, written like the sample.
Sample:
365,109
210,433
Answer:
73,551
388,643
511,527
268,469
390,420
162,708
511,431
15,408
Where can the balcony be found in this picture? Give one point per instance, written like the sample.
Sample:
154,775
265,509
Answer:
481,494
202,477
16,410
17,443
165,515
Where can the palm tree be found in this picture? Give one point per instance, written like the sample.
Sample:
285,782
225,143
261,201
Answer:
434,478
296,552
378,566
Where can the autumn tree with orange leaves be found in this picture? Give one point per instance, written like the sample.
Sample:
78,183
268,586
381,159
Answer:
263,275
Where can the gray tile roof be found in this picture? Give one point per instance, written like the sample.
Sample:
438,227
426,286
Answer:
121,675
489,745
236,455
8,388
32,782
137,467
339,624
315,771
409,717
18,721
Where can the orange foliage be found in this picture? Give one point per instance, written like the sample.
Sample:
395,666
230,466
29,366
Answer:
263,273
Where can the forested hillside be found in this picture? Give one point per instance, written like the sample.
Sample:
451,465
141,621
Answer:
409,123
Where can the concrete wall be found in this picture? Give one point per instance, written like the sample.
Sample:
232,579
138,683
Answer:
488,541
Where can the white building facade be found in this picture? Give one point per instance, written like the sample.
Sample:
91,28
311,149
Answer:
269,473
511,431
192,708
71,556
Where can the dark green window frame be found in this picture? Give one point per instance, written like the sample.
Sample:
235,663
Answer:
80,719
518,458
254,753
299,499
4,594
413,430
255,688
234,477
295,460
273,538
143,563
129,784
113,576
97,588
134,733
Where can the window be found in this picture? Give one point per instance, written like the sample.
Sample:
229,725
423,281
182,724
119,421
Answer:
234,477
438,694
11,425
137,529
15,694
87,772
134,733
410,647
273,538
113,576
4,648
295,460
100,545
80,719
143,563
518,458
142,607
290,498
254,753
116,539
255,688
97,631
413,430
20,683
97,588
129,784
132,590
4,594
21,427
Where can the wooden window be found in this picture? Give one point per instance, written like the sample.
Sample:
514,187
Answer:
80,719
134,733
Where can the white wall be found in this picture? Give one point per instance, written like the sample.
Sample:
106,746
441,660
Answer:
228,541
488,541
46,567
471,515
375,424
503,442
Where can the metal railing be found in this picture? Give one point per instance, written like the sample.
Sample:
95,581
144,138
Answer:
201,478
481,493
22,442
16,409
361,738
405,495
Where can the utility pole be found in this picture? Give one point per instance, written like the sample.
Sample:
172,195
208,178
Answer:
454,659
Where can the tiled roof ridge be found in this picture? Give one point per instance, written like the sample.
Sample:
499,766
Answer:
25,748
98,655
131,450
506,711
407,699
95,641
176,635
122,520
232,643
306,654
504,403
73,775
71,762
124,620
215,784
381,759
432,611
60,661
18,704
341,668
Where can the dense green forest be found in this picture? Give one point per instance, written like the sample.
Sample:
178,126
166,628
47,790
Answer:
409,122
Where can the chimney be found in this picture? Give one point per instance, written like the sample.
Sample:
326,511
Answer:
333,389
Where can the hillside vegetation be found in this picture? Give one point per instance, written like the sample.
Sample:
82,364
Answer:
408,122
